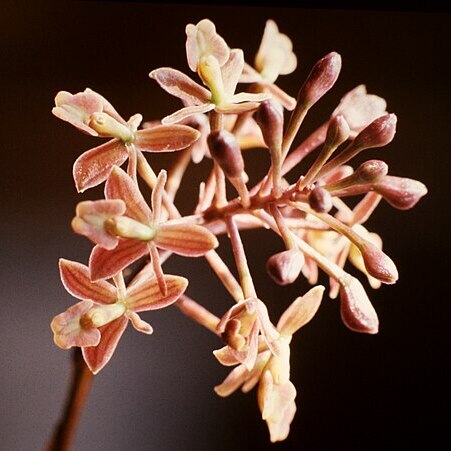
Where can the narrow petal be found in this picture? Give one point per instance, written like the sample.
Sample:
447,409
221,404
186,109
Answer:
77,281
301,311
180,85
225,357
94,166
121,186
166,138
96,357
68,331
106,106
281,96
186,112
250,97
139,324
189,240
232,382
146,295
237,108
104,263
232,70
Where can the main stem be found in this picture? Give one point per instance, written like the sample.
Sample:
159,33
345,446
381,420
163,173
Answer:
64,433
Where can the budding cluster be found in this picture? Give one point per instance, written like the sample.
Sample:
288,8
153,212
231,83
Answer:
318,230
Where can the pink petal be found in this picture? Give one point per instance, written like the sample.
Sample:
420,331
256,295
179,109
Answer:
180,85
96,357
105,263
231,71
68,331
146,295
94,166
139,324
106,106
225,357
166,138
76,279
186,112
233,381
90,218
202,40
237,108
121,186
301,311
250,97
281,96
185,239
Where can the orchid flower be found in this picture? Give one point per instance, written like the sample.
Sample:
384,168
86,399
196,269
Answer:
276,393
221,81
92,114
124,228
274,57
97,323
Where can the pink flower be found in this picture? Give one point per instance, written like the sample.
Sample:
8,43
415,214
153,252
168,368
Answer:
97,323
94,115
125,228
276,393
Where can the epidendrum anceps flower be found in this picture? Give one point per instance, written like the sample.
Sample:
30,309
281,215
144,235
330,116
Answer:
125,228
94,115
276,393
275,57
97,323
219,68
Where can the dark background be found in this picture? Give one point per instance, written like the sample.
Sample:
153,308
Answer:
354,391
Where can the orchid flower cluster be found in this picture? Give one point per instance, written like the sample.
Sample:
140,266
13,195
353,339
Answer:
318,230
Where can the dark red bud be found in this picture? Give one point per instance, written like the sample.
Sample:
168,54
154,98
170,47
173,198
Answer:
270,120
400,193
320,200
226,151
285,267
379,133
378,264
321,78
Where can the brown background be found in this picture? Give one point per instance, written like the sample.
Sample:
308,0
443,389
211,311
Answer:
355,391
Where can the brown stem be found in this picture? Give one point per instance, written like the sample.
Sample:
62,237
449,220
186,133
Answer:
64,433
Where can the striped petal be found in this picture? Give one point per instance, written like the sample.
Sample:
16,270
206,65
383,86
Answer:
77,281
146,295
121,186
180,85
139,324
104,263
166,138
189,240
94,166
96,357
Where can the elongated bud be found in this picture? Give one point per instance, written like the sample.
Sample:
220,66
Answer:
337,132
378,264
378,134
321,78
269,118
356,310
367,173
320,200
400,193
225,150
285,267
105,125
129,228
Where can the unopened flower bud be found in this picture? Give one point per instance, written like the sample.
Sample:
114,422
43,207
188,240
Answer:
378,134
356,310
400,193
269,117
320,200
378,264
321,78
129,228
371,171
105,125
337,132
225,150
285,267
